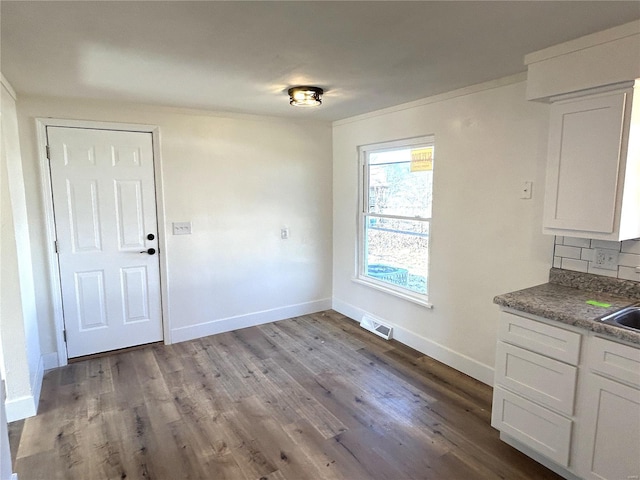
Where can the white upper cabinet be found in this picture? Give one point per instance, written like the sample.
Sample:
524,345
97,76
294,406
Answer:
593,166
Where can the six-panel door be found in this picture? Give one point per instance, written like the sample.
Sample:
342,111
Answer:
105,214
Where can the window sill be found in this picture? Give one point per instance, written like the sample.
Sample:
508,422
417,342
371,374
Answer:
391,291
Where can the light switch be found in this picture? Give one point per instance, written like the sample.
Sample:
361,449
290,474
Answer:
181,228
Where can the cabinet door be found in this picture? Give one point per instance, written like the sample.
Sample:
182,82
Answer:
612,440
584,163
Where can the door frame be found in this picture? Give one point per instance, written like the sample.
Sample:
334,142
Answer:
47,199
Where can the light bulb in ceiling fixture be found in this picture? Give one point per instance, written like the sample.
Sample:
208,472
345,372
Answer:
305,96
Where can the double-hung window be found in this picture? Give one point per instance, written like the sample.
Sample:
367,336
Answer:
396,182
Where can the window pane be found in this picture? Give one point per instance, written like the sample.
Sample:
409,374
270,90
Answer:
396,252
394,189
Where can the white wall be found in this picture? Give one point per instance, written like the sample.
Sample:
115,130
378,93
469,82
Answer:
18,316
5,453
485,240
238,179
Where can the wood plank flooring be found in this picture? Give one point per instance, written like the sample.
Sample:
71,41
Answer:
313,397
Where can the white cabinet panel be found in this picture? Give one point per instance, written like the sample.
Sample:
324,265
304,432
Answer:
583,163
592,187
619,361
535,373
534,426
612,440
579,410
539,337
544,380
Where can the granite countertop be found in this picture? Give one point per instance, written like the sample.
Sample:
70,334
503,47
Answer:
564,299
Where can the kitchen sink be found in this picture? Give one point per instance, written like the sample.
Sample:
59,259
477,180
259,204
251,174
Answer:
627,318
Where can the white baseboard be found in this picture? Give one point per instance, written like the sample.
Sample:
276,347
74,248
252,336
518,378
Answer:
19,408
249,320
50,361
27,405
36,385
459,361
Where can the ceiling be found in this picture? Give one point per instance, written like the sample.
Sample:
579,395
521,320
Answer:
242,56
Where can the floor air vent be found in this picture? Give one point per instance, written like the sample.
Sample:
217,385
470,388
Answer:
376,326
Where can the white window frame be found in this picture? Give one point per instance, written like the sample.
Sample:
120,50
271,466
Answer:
363,197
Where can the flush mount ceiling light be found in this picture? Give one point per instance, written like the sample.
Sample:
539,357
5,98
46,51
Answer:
305,96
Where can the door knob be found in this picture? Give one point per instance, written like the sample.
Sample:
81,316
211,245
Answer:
151,251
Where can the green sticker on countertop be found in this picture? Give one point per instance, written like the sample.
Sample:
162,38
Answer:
595,303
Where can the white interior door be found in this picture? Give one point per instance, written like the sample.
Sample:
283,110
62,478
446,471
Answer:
105,214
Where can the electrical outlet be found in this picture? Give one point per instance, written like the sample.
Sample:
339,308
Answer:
605,259
181,228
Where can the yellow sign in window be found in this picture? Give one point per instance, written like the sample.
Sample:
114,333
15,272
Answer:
422,159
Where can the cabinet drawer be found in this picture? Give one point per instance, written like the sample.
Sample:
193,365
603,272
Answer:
539,337
544,380
619,361
544,431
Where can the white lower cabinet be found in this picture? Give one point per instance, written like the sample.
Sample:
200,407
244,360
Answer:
610,412
535,385
568,398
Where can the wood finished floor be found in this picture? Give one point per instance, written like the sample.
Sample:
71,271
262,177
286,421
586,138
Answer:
313,397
